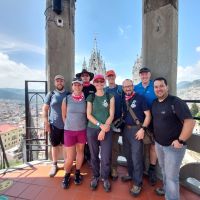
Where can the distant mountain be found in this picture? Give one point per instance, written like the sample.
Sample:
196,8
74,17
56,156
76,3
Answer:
188,84
12,94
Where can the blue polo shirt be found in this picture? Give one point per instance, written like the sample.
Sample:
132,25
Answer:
147,92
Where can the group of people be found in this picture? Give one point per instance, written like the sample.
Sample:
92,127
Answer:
84,122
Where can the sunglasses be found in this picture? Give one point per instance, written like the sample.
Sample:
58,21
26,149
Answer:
99,81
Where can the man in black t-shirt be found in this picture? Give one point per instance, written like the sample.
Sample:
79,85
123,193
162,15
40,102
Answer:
173,125
88,88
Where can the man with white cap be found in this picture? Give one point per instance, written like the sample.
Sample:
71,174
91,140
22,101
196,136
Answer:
53,122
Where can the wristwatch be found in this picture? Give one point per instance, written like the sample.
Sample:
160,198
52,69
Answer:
144,128
98,124
181,141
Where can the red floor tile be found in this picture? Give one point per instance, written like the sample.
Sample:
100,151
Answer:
34,183
31,192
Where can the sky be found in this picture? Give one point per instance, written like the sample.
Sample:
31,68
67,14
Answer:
116,24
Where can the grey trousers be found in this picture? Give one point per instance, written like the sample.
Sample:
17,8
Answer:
100,167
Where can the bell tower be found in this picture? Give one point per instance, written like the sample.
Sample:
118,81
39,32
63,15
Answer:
60,40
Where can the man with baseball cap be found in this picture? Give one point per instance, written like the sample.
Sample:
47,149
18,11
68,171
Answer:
53,122
146,89
116,91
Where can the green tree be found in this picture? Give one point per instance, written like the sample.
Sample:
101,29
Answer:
194,109
198,115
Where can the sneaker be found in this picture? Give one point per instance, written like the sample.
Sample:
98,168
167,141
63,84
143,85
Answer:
106,185
94,183
66,182
78,179
152,177
126,178
135,190
53,170
114,174
160,191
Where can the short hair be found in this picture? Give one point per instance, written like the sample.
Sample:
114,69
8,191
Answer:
127,79
160,79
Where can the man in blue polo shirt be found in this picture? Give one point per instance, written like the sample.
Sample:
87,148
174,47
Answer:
146,89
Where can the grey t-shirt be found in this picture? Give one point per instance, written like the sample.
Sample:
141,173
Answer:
54,100
76,114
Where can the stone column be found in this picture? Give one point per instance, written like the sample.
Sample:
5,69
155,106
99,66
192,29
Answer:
60,44
160,39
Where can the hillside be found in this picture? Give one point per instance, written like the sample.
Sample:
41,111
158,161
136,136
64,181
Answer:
189,90
12,94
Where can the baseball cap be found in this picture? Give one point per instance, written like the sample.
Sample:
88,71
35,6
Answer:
144,69
98,76
77,80
110,73
59,77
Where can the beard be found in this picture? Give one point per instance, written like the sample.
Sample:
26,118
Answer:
60,88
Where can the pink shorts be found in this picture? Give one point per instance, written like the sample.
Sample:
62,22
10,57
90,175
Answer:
71,138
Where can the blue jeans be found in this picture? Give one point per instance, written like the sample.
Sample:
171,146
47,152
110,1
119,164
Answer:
133,150
170,159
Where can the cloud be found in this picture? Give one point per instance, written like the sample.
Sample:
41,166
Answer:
123,31
8,45
13,74
198,49
119,80
189,73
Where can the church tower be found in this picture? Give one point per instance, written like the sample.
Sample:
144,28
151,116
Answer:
96,63
136,68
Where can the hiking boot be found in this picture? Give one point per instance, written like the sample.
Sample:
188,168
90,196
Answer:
78,179
94,183
160,191
53,170
114,174
126,178
135,190
106,185
152,177
66,181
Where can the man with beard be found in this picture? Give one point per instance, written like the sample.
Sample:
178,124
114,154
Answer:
133,134
53,122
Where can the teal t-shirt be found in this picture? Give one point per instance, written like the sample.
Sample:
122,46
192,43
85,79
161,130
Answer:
100,108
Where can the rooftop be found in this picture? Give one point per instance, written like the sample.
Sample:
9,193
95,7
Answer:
33,182
7,127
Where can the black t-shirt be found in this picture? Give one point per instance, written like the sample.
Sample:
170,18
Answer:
88,90
168,117
138,104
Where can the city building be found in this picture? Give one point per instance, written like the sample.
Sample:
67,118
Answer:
11,135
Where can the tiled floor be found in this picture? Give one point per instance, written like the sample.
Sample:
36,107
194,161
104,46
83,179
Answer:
33,183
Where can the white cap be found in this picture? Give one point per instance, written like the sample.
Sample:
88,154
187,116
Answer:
77,80
59,77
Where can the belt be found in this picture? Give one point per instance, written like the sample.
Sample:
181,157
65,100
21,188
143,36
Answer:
130,126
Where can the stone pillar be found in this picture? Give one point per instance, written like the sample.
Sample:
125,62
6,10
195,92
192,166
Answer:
60,45
160,39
